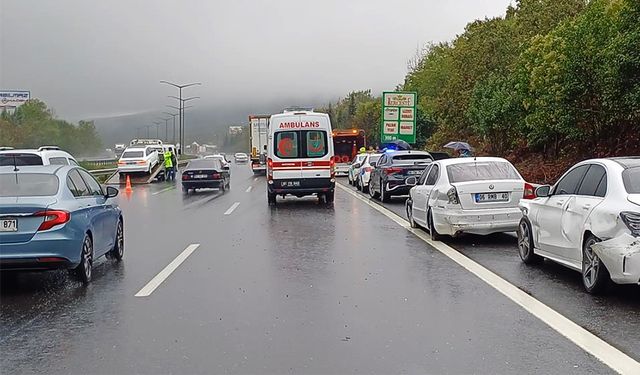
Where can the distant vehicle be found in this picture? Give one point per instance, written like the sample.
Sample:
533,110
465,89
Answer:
241,157
588,221
258,132
205,173
221,158
55,217
354,168
364,172
139,158
392,169
346,145
300,156
45,155
467,195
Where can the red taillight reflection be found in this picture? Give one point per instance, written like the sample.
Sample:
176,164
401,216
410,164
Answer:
185,176
392,170
52,218
529,191
215,175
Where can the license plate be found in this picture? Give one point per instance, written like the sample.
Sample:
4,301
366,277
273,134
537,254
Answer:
131,163
290,184
415,172
200,176
492,197
8,225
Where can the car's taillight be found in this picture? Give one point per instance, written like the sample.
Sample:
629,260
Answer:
215,175
141,162
529,191
185,176
632,221
52,218
269,169
393,170
122,163
452,194
332,166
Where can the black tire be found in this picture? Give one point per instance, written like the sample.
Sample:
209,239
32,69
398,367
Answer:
372,192
118,248
84,270
185,190
595,276
435,236
525,243
329,198
271,199
384,194
409,210
223,187
363,188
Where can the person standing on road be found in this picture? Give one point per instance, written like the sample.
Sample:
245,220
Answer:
168,165
174,161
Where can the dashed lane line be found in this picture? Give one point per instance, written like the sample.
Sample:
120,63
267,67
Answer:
167,271
164,190
249,189
232,208
587,341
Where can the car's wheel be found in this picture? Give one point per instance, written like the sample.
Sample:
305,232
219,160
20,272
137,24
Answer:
349,179
525,243
384,194
409,209
84,270
372,192
435,236
329,198
363,188
271,199
595,276
185,190
118,249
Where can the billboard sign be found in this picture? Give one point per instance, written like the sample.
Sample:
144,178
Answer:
13,98
398,117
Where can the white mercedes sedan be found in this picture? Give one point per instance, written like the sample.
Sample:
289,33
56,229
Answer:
588,221
467,195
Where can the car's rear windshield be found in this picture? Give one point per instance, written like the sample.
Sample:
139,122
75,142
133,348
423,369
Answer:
407,158
210,163
481,171
28,184
132,154
631,178
20,159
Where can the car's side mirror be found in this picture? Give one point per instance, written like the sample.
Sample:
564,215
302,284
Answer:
226,167
111,192
411,181
357,165
543,191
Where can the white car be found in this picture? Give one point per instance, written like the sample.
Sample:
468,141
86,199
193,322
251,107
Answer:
138,159
45,155
588,221
241,157
364,172
467,195
222,158
354,168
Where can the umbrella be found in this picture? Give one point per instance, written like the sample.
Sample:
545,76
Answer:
398,144
459,146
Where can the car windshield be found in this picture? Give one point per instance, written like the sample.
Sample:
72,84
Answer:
132,154
19,159
28,184
631,179
209,163
481,171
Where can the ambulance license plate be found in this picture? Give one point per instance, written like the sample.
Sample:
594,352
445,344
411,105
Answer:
492,197
8,225
288,184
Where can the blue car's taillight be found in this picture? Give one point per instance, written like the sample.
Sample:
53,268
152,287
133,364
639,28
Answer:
52,218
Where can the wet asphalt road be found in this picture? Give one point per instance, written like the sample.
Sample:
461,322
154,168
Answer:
301,288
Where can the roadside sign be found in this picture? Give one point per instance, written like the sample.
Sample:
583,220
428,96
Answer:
13,98
398,116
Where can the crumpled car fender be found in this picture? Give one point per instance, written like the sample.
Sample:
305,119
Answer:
621,256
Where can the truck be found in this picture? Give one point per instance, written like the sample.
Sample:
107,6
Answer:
258,133
346,145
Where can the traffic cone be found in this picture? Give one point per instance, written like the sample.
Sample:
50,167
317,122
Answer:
128,188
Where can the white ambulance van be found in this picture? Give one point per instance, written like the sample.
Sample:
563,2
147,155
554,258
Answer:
300,159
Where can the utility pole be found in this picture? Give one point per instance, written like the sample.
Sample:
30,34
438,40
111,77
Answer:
181,108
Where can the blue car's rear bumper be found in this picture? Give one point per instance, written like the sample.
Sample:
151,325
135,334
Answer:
46,250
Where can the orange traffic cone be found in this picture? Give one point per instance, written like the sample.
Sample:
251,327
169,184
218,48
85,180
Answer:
128,188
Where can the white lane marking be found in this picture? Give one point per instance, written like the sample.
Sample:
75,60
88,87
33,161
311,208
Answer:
232,208
255,179
249,189
603,351
163,190
166,272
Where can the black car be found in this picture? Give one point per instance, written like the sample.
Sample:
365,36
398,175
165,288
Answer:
392,169
205,173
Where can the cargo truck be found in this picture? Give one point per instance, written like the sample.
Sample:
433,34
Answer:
259,131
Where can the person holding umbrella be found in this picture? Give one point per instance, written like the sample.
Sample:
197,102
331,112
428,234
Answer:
463,149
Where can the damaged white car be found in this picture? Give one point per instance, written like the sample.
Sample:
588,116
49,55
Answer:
588,221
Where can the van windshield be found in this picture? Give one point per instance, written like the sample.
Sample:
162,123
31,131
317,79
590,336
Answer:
300,144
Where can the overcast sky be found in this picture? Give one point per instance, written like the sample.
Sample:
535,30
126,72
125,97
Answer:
91,59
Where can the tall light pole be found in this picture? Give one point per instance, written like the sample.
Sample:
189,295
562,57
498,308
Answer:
166,128
174,123
181,109
182,101
157,124
147,126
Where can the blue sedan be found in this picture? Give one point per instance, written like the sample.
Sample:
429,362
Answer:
54,217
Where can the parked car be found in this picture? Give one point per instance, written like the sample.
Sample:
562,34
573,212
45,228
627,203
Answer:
467,195
354,168
205,173
241,157
392,169
45,155
588,221
364,175
55,217
138,159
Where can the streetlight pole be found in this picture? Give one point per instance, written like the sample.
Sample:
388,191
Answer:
173,115
166,128
177,114
147,126
181,109
182,101
157,124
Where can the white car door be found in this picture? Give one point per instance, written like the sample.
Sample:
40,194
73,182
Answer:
550,215
429,184
420,198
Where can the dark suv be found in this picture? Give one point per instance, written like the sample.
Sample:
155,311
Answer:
392,169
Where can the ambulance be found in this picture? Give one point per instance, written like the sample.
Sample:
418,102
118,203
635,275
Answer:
300,159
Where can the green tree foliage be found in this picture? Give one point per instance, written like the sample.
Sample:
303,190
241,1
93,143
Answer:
33,125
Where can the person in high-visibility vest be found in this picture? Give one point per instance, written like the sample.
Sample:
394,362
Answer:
363,150
168,166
